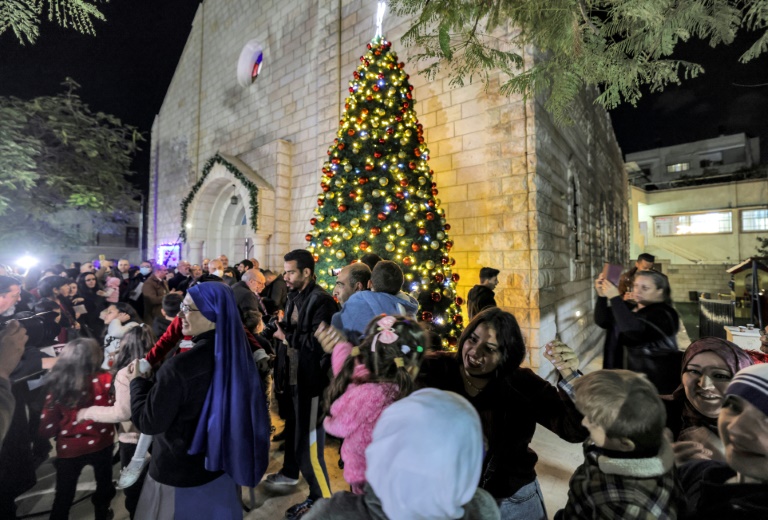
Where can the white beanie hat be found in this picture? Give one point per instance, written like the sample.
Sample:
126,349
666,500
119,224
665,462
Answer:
425,459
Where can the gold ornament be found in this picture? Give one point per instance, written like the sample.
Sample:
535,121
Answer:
383,181
340,254
409,217
367,206
389,247
430,264
354,222
434,244
400,231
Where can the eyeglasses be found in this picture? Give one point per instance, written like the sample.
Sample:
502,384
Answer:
186,309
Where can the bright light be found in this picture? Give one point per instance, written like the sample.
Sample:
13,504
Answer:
27,262
578,314
188,225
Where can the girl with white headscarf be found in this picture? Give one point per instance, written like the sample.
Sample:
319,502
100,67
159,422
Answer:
408,477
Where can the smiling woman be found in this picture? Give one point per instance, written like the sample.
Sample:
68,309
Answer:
511,400
692,409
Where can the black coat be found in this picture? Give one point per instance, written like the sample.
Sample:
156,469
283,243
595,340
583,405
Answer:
314,305
169,408
480,297
245,299
509,411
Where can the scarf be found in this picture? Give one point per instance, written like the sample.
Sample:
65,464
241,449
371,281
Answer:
233,429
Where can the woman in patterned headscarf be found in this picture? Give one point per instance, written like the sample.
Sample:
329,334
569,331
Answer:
708,366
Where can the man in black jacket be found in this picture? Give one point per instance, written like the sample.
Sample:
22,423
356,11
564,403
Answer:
481,296
306,371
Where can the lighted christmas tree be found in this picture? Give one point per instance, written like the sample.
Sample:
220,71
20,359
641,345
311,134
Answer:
378,194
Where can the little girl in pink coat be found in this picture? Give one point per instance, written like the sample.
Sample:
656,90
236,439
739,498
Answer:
367,379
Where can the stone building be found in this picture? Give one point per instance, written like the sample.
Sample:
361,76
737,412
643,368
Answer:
544,204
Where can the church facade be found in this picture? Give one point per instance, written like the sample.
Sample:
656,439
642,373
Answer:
240,140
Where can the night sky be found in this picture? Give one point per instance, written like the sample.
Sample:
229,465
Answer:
127,68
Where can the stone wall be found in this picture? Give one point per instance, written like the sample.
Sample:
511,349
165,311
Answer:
702,278
503,169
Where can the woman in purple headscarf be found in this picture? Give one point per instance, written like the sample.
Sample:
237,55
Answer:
207,413
708,366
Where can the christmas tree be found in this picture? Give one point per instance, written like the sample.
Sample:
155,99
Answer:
378,195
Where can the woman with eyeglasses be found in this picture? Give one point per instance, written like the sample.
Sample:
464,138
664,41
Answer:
94,301
206,411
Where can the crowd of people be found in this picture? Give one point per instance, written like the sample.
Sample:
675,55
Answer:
172,371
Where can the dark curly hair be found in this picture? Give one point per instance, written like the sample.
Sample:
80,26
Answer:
508,336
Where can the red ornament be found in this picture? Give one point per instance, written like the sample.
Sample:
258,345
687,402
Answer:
408,260
436,297
352,194
390,130
455,277
422,231
400,195
341,146
369,98
439,277
325,188
308,237
444,260
382,216
430,216
363,180
375,230
364,245
426,316
452,341
316,257
447,227
327,242
392,206
313,221
403,182
416,152
369,167
334,225
320,202
412,165
377,154
448,246
459,301
335,160
350,132
434,192
416,247
453,260
431,203
457,319
375,88
342,208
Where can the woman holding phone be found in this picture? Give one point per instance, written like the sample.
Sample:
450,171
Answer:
647,324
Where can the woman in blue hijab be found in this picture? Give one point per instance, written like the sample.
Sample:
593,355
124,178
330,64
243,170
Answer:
207,411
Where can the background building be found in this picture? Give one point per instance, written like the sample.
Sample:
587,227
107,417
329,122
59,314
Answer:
546,205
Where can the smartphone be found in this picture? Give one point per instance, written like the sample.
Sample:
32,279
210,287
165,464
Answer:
335,272
612,273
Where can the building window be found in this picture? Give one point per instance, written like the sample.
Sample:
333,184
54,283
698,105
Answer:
754,220
250,64
678,167
693,224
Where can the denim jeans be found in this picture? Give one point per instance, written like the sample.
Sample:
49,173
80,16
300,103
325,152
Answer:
526,504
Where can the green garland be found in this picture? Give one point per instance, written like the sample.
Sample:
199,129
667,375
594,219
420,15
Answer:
253,192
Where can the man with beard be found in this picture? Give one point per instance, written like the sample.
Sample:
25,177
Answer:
302,372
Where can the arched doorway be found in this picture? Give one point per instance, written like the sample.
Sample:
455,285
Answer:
226,208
